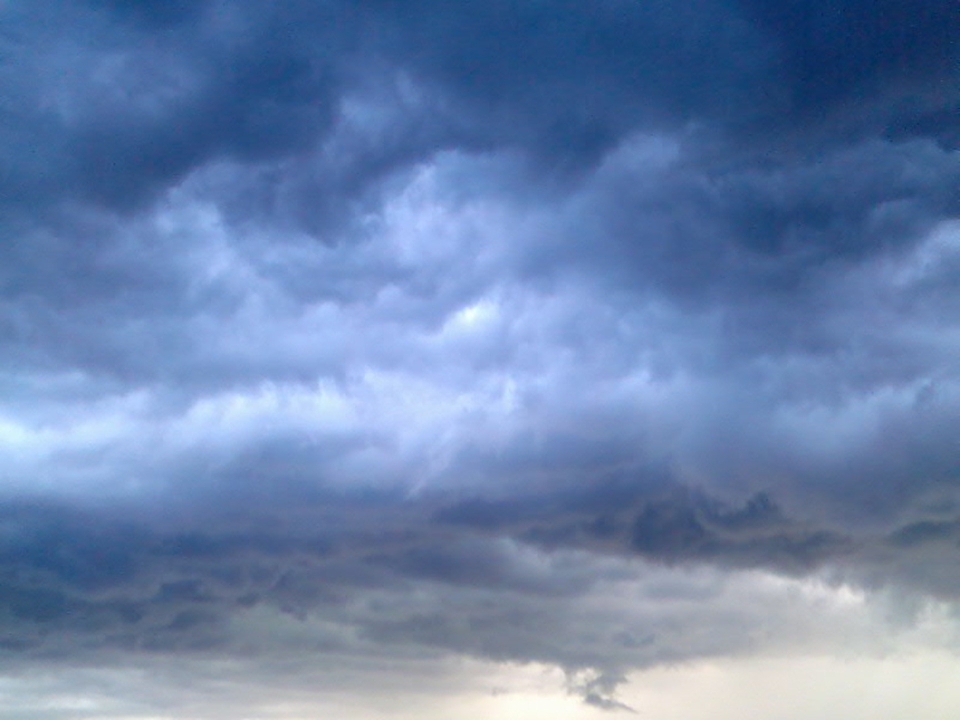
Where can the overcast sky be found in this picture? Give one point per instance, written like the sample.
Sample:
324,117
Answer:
502,358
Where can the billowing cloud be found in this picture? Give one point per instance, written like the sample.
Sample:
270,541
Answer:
350,340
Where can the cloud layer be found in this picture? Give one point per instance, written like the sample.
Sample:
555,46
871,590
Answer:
601,335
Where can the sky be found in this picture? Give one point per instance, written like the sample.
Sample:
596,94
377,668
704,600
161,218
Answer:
505,358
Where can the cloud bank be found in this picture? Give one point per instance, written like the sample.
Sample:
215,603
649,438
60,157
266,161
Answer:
602,336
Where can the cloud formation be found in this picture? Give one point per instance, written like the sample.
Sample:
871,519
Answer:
603,336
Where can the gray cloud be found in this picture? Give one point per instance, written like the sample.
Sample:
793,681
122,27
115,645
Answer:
418,327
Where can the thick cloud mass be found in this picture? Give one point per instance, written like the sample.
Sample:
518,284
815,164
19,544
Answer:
572,333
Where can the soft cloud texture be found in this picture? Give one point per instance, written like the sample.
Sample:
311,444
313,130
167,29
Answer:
341,343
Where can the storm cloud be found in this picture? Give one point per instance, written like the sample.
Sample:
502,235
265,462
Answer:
605,336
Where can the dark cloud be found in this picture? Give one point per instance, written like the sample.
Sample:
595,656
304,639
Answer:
116,113
142,583
754,534
427,328
859,53
153,91
598,691
677,526
154,14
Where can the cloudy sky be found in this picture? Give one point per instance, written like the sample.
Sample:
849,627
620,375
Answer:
525,359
